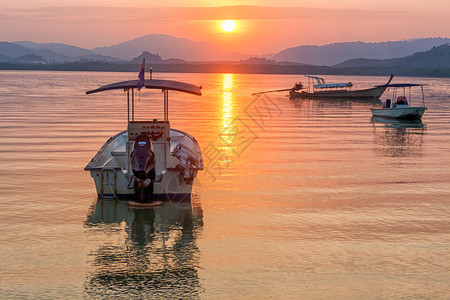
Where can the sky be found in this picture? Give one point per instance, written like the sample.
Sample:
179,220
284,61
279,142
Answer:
263,26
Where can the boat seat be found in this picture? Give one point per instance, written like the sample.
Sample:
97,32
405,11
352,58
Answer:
402,100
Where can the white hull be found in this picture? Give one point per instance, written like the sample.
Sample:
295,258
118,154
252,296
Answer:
113,178
399,112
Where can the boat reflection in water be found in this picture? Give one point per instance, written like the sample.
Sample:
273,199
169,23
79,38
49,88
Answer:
144,253
398,138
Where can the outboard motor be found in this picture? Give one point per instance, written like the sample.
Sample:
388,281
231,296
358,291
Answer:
297,86
143,166
188,161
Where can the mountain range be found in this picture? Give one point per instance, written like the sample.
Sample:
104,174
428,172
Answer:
437,57
165,49
50,53
332,54
169,47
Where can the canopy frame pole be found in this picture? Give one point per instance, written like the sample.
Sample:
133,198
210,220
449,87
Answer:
166,105
128,140
132,104
166,120
128,105
423,96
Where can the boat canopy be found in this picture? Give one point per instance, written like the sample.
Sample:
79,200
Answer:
151,84
322,84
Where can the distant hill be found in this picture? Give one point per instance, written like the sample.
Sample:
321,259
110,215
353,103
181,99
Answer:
151,58
437,57
13,51
29,59
169,47
67,50
4,58
47,53
333,54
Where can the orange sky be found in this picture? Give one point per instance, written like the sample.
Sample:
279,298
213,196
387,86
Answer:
262,27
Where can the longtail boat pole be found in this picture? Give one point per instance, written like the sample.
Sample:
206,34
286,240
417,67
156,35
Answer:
274,91
297,86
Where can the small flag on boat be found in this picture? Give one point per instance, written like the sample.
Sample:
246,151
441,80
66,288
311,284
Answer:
141,76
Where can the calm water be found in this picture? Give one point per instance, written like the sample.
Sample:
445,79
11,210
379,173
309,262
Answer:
301,199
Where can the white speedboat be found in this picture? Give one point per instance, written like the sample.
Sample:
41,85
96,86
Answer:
402,108
149,160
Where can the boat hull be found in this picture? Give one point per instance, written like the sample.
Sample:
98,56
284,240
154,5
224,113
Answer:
113,177
171,188
411,113
372,93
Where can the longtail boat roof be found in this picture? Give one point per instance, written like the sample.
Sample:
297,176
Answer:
151,84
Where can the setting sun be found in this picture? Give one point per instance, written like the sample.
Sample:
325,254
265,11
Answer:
228,25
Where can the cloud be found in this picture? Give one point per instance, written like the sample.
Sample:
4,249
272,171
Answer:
237,12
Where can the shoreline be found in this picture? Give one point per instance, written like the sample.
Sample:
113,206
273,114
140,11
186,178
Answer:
236,68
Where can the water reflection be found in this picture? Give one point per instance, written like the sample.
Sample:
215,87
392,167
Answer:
312,107
227,100
156,256
227,135
398,138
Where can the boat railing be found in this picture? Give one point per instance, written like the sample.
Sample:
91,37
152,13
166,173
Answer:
333,85
401,94
322,85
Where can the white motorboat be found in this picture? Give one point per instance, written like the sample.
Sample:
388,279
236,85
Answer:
402,108
149,160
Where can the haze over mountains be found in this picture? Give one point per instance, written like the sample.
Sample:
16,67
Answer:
169,49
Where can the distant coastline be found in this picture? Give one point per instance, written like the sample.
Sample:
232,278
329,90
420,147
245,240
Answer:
237,68
429,57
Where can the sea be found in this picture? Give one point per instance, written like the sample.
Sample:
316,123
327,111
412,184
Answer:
299,199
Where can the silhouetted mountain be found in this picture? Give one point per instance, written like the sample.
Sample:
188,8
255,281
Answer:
4,58
169,47
29,59
13,50
155,59
149,58
50,53
67,50
437,57
333,54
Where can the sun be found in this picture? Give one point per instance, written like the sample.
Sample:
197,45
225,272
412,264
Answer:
228,25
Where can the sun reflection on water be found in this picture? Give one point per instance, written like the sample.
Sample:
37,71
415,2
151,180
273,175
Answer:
227,100
227,114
